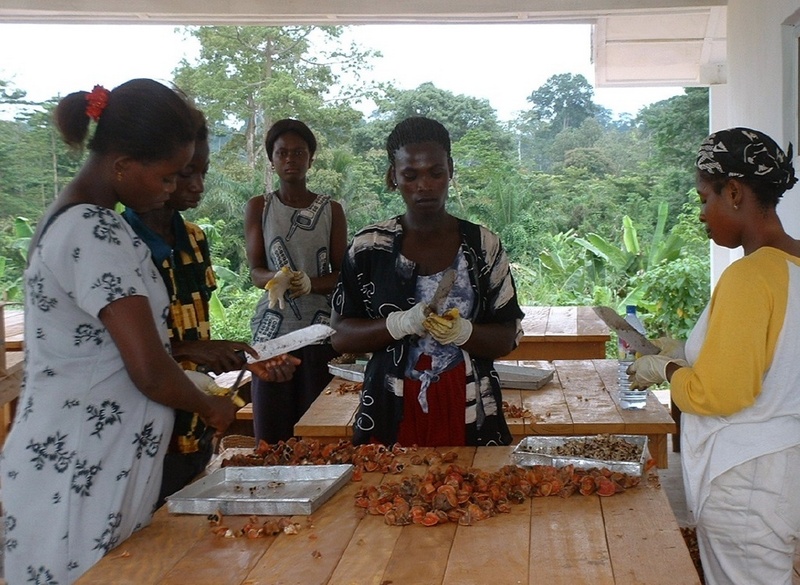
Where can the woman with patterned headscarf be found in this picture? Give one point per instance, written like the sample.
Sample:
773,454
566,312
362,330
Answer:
740,397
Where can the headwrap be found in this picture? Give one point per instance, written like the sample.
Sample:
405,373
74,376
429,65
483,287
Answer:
747,153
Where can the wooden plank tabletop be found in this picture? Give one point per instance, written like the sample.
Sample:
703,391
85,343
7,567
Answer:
12,363
555,333
626,539
14,327
581,399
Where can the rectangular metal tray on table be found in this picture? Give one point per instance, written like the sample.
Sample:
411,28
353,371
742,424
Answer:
280,490
536,450
517,377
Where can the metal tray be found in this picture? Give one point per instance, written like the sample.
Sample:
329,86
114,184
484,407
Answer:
352,372
523,377
280,490
539,451
518,377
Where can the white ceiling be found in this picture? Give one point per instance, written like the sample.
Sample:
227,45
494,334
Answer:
635,42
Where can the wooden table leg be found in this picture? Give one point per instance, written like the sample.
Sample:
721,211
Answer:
676,436
658,449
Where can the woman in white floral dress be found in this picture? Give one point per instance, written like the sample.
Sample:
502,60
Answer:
81,468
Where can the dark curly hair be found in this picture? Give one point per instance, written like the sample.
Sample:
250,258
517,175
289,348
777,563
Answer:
415,130
143,119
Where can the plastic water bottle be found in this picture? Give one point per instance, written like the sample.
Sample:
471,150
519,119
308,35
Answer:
630,399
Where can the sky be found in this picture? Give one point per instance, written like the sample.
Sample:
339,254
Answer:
502,63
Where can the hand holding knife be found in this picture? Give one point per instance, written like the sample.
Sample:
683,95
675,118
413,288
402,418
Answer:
411,322
442,291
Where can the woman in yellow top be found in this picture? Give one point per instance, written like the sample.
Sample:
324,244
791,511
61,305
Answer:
740,397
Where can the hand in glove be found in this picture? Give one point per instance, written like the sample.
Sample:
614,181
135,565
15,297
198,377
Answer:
674,348
448,328
402,323
300,284
277,286
207,384
651,369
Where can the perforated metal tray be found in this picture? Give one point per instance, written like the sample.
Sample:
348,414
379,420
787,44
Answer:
280,490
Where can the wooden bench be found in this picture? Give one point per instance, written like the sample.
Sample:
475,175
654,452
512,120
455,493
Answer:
12,364
14,325
561,333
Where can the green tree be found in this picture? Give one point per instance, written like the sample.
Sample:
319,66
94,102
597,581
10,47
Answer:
677,126
460,114
563,101
247,77
34,163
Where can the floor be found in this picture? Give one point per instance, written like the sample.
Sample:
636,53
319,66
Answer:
672,477
672,483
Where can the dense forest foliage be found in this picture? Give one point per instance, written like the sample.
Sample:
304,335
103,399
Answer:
590,209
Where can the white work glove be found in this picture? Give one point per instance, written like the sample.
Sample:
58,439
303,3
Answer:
448,328
277,286
402,323
300,284
207,384
671,347
649,370
204,382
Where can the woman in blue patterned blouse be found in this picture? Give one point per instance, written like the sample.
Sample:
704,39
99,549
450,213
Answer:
430,380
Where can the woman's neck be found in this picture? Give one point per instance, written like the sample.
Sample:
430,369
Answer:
295,194
160,221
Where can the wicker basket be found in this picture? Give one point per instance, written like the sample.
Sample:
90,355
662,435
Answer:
237,442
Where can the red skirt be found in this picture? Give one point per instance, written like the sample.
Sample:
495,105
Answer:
443,425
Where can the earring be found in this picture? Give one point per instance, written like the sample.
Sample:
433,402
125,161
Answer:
735,206
119,176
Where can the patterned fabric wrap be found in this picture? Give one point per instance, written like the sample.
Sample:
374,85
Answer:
376,280
747,153
189,277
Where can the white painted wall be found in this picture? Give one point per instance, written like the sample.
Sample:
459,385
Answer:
761,91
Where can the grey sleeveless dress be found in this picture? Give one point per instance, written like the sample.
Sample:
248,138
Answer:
298,238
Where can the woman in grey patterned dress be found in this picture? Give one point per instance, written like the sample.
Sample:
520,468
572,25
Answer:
305,233
81,468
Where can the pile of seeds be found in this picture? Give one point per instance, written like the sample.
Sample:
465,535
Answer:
603,447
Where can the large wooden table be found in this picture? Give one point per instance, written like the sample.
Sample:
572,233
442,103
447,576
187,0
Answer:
561,333
630,538
581,399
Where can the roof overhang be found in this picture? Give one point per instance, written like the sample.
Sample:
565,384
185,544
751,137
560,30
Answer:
682,47
635,42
